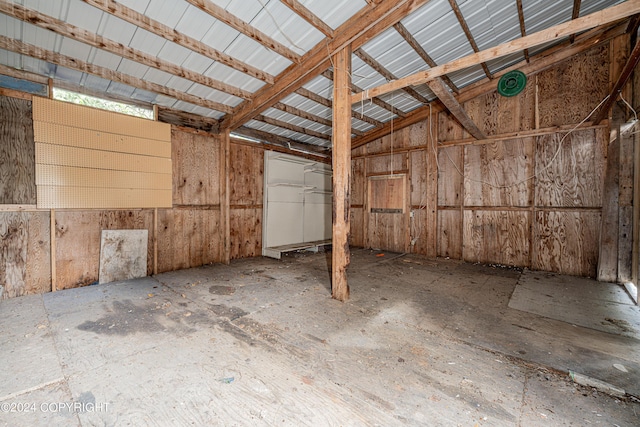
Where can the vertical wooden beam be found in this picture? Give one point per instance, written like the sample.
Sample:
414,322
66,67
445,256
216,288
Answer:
50,88
225,238
52,237
155,237
341,173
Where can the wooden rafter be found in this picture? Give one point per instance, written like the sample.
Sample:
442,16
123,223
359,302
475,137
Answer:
467,32
557,54
309,16
375,100
307,116
625,74
299,129
575,13
231,20
523,28
162,30
408,37
67,30
440,89
328,103
277,140
384,72
356,31
611,14
116,76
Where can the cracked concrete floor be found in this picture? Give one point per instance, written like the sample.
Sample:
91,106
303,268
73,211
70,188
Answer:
260,342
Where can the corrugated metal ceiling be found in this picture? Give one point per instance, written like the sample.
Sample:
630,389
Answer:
434,26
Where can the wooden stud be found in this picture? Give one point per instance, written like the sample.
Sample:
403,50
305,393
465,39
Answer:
50,87
341,174
52,228
155,241
225,238
575,13
603,17
523,29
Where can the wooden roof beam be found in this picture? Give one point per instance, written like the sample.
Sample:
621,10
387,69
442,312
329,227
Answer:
359,29
625,74
575,13
603,17
375,100
294,128
440,89
136,18
307,116
384,72
309,16
523,28
328,103
408,37
467,32
553,56
238,24
116,76
67,30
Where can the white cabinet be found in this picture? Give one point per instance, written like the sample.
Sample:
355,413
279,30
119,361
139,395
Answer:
297,204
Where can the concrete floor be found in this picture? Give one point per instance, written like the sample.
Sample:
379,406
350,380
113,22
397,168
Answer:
260,342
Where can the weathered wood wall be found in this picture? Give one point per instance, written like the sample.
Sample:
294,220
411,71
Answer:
533,201
17,152
245,199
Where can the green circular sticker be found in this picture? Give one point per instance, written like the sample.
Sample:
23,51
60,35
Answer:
512,83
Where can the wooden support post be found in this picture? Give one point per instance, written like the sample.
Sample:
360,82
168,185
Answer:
225,238
50,88
52,237
155,241
341,173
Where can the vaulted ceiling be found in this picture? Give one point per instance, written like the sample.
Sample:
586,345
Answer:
263,67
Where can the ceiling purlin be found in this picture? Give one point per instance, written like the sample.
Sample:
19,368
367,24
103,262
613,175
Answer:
555,55
309,16
575,13
290,126
408,37
388,75
357,30
248,30
467,32
328,103
378,101
67,30
105,73
168,33
278,140
523,28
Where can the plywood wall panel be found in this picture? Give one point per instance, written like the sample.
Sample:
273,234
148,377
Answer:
449,129
78,235
567,242
195,161
17,152
450,170
497,236
574,175
246,175
423,233
570,90
356,233
387,164
25,266
499,173
387,231
77,248
187,238
246,233
450,234
419,133
358,181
